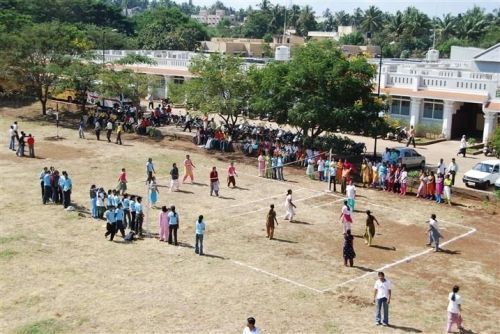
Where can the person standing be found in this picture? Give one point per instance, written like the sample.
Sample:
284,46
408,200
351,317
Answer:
454,309
109,130
333,176
31,145
20,149
434,234
310,168
200,232
12,140
382,298
439,187
110,223
119,130
93,201
214,182
153,193
120,216
463,147
66,189
270,220
321,168
289,206
370,228
132,212
188,169
348,250
346,217
122,182
97,129
150,101
150,170
81,127
351,195
42,174
279,168
174,178
188,123
382,174
441,168
365,173
403,181
453,170
250,327
447,188
139,216
231,174
126,211
47,187
173,225
269,169
411,136
261,165
163,222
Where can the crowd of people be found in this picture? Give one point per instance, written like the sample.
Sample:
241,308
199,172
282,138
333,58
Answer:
56,187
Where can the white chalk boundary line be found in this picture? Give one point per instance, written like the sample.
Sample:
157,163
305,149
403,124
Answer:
406,259
276,276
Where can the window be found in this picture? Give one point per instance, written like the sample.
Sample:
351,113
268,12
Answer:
400,106
433,109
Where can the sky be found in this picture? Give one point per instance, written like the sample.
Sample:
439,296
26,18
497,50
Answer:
430,7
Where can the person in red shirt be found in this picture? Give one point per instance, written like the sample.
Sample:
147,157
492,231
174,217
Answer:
31,145
122,181
214,182
231,174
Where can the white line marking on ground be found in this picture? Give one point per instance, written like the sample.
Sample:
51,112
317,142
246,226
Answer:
276,276
262,199
406,259
329,203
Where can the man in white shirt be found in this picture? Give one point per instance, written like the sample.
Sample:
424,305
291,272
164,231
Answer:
453,170
350,191
109,130
463,146
250,327
441,168
382,299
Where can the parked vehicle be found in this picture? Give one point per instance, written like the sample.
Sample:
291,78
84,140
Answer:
497,184
409,157
489,150
483,174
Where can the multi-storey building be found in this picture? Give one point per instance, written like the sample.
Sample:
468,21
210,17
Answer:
213,19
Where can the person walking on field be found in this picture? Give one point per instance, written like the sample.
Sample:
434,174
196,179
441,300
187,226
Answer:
382,298
150,170
200,232
463,147
110,223
346,217
188,169
348,250
370,228
454,309
231,174
351,195
81,127
214,182
270,220
411,137
433,232
109,130
174,178
119,130
97,129
122,182
289,206
163,222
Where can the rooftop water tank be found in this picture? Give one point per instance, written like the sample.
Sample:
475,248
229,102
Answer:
282,53
432,55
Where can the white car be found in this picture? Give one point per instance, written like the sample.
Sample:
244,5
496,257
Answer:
483,174
497,184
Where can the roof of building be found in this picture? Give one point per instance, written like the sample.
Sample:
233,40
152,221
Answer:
490,55
330,34
435,94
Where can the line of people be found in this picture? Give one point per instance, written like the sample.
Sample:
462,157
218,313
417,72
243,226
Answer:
21,139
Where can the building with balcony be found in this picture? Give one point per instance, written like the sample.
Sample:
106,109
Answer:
460,95
213,19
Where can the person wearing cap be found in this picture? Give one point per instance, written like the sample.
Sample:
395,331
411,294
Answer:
250,327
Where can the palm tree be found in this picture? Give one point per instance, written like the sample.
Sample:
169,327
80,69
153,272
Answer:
472,25
372,20
417,24
357,17
396,26
306,21
446,26
341,18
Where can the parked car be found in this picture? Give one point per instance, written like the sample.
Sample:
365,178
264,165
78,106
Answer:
497,184
408,156
483,174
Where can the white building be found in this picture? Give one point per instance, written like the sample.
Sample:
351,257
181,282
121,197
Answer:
460,95
213,19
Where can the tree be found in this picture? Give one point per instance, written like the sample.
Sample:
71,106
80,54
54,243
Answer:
372,20
341,18
355,38
316,91
80,77
307,21
220,86
126,84
36,56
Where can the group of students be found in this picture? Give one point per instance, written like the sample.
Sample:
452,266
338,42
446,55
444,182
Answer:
56,187
21,139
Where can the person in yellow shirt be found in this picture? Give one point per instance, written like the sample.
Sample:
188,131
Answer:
447,188
119,130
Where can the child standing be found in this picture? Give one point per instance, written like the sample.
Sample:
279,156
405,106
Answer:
110,223
163,222
200,232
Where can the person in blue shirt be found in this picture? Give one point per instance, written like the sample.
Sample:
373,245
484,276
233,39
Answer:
119,216
109,199
200,232
66,189
173,224
139,216
274,165
132,212
382,175
93,200
126,210
279,168
110,223
150,170
47,187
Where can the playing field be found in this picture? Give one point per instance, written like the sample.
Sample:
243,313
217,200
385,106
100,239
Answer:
60,275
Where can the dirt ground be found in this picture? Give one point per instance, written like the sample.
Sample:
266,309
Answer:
60,275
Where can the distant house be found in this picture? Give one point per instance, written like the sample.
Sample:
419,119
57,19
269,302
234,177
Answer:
332,35
246,47
213,19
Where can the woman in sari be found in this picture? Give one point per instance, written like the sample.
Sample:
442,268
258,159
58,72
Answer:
431,186
365,173
422,187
